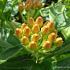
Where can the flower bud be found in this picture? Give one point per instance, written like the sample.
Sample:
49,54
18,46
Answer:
23,26
35,37
27,31
39,21
37,4
35,28
33,45
28,4
52,37
44,30
47,44
25,40
31,21
51,26
18,32
59,41
20,7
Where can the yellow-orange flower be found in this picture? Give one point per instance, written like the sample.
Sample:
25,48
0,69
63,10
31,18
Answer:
51,26
35,28
20,7
25,40
35,37
33,45
47,44
39,21
18,32
27,31
59,41
44,29
52,37
28,4
23,26
31,21
37,4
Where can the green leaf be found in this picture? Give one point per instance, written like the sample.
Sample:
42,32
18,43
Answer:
66,32
25,63
55,12
2,4
9,49
12,39
65,63
63,57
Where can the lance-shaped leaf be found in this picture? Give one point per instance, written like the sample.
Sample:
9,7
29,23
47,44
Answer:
9,48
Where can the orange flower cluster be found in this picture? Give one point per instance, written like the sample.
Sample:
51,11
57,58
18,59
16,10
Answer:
31,33
29,4
33,4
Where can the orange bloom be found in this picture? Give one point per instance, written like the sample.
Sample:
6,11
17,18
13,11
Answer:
35,28
51,26
33,45
39,21
44,30
35,37
18,32
31,21
25,40
52,37
47,44
23,26
28,4
27,31
59,41
37,4
20,7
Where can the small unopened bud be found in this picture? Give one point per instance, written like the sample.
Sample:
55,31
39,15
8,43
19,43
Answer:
20,7
31,21
37,4
27,31
18,32
47,44
35,37
44,30
59,41
23,26
35,28
32,45
28,4
51,26
39,21
25,40
52,37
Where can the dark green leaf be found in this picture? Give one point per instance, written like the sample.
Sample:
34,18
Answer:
8,50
